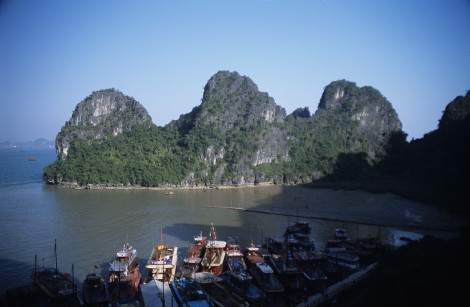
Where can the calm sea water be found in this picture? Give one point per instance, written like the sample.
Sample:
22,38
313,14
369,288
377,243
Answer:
90,225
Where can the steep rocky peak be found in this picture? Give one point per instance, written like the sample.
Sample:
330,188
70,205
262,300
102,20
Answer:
456,110
335,93
96,108
231,99
365,104
103,114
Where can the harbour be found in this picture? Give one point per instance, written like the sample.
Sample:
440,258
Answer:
90,225
275,275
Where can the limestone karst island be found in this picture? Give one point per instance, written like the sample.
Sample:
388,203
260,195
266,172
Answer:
239,136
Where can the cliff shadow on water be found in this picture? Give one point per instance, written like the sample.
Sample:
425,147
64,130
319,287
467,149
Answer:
433,170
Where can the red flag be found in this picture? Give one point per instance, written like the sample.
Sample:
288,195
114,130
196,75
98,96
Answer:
96,266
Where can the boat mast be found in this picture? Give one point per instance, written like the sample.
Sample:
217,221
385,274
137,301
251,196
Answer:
55,254
73,280
35,265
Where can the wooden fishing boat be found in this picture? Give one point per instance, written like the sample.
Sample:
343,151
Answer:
190,266
124,276
261,270
55,284
342,259
264,275
197,250
232,243
246,289
341,234
252,254
299,226
162,262
236,265
95,290
219,291
190,293
214,256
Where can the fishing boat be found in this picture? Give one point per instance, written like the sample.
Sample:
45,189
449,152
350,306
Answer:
190,266
192,262
275,245
190,293
162,262
284,264
197,250
246,289
261,270
341,234
236,264
299,226
300,240
220,293
55,284
342,259
124,274
214,256
264,275
281,259
95,290
252,254
232,243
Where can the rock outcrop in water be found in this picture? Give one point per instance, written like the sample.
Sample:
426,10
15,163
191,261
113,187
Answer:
238,135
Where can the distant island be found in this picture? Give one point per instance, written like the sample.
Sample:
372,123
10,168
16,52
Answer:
37,143
239,136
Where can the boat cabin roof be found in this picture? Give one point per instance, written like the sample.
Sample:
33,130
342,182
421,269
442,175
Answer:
234,253
217,244
266,269
192,260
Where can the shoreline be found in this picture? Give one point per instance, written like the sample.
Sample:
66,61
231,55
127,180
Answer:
112,186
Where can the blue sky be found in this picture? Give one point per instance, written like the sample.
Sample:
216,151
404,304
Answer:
53,54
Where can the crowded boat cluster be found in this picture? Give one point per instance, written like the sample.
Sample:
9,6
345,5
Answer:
282,271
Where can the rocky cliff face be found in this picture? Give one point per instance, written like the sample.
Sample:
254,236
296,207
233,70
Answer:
238,135
232,100
102,114
233,106
375,116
